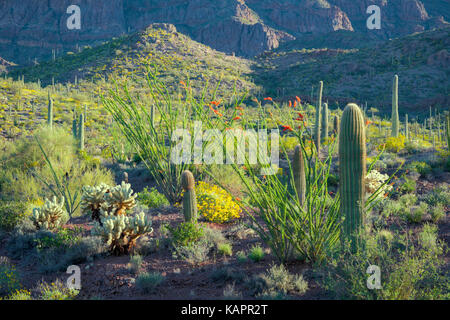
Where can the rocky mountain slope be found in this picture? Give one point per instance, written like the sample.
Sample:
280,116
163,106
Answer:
31,29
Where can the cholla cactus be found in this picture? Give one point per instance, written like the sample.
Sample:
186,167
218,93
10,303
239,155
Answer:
92,200
50,215
120,199
121,232
374,180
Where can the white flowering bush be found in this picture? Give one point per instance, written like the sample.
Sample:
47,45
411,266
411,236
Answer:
374,180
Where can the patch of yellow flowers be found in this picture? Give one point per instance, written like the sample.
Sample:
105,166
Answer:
216,204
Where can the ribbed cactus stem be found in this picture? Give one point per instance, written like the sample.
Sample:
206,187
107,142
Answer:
125,177
317,124
352,168
395,118
447,130
406,128
50,112
298,168
81,133
189,197
324,121
74,128
336,125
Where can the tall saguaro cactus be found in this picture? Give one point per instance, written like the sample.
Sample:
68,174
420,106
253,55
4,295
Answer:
189,197
406,128
317,125
395,118
81,133
298,168
324,121
352,168
336,125
447,130
50,111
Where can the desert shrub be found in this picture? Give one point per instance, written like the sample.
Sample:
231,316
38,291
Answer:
395,144
439,195
21,294
241,257
12,214
279,279
408,200
216,204
152,198
135,263
227,274
428,239
421,167
148,282
230,292
194,253
416,214
407,272
225,249
392,208
186,233
437,213
408,186
9,278
56,291
256,253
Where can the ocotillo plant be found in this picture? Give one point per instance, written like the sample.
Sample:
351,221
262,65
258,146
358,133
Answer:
152,115
81,133
189,197
298,168
317,125
325,121
50,111
352,168
395,119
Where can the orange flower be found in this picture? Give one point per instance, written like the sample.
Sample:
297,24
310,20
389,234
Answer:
256,100
368,122
290,104
238,199
183,83
298,99
300,116
236,118
287,128
241,114
216,103
268,98
295,104
240,108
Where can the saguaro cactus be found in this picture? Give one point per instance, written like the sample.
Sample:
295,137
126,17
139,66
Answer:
298,168
325,121
50,111
447,130
317,125
189,197
81,133
395,119
352,166
406,128
336,124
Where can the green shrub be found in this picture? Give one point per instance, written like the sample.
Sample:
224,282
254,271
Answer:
193,253
9,279
135,263
279,280
417,213
256,253
186,233
12,214
225,249
437,212
56,291
407,272
421,167
148,282
21,294
439,195
408,186
241,257
152,198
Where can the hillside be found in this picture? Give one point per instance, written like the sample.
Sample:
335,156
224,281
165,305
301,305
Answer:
175,56
420,60
33,29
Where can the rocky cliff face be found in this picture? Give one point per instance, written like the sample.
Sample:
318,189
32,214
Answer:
32,28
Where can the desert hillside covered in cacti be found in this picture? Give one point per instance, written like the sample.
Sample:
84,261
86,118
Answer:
163,169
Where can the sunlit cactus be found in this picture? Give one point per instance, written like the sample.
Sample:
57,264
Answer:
189,197
50,216
120,199
92,200
395,119
317,124
352,168
298,168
